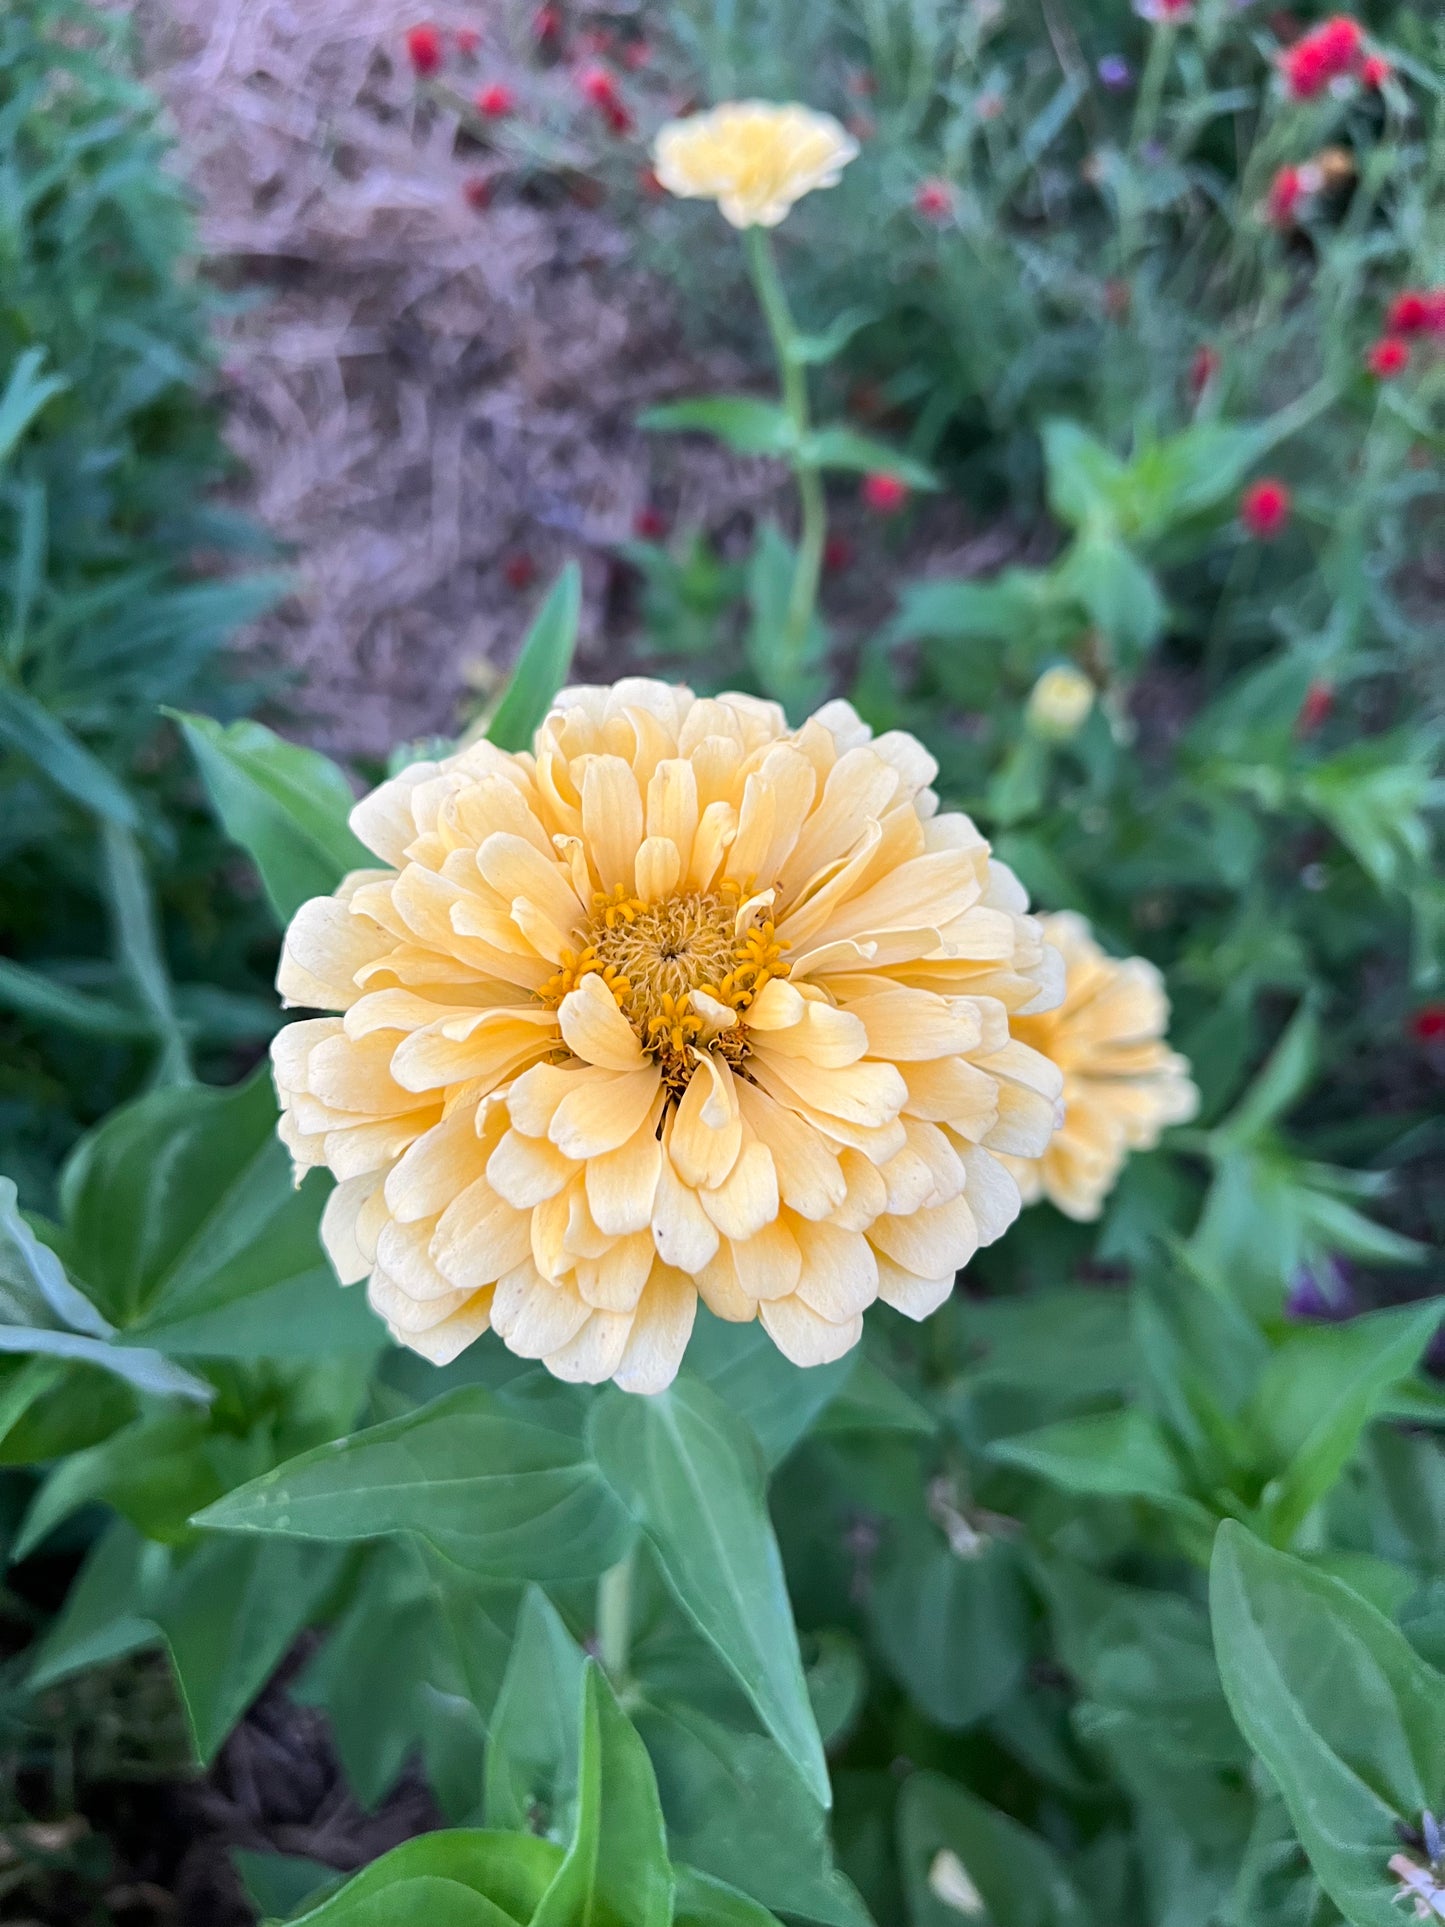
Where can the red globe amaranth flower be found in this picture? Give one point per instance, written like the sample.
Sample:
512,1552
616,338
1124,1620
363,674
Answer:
496,101
1286,191
1375,70
468,40
649,524
1410,312
1341,41
1304,69
635,55
883,493
1314,711
1388,357
519,571
1264,508
424,49
838,554
477,193
1175,10
597,84
1427,1024
1329,52
933,200
1203,367
547,27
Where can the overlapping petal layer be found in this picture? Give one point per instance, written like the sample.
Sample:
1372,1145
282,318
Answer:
1123,1086
683,1003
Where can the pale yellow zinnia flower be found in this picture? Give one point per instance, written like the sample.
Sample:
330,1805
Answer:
1059,703
1123,1086
753,158
681,1002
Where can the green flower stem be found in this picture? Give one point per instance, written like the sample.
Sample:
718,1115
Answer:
614,1619
1151,85
803,597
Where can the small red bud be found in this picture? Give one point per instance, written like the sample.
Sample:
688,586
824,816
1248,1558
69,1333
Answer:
1427,1024
1264,508
1314,711
495,101
649,524
424,49
1388,357
519,571
885,494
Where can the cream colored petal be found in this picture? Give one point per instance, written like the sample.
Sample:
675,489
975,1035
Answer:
905,1291
441,1163
479,1236
622,1184
865,1093
840,1272
615,1280
950,1090
715,832
859,787
801,1335
384,821
867,1193
769,1264
527,1170
828,1039
909,1025
659,866
516,869
602,1110
406,1315
611,821
659,1334
533,1316
685,1237
339,1227
672,807
810,1178
446,1341
327,943
596,1352
931,1243
501,1043
596,1030
718,1287
707,1132
992,1191
747,1199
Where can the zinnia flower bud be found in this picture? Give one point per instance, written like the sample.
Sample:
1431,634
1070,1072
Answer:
1059,703
883,493
424,49
753,158
1388,357
682,1003
1123,1086
1264,508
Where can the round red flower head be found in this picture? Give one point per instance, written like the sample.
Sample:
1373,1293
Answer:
1388,357
1286,191
649,524
1428,1023
424,49
477,193
495,101
1375,70
933,199
1409,313
1264,508
1203,367
468,40
519,570
1314,711
883,493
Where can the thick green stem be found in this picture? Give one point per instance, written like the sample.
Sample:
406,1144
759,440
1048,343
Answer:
803,596
614,1619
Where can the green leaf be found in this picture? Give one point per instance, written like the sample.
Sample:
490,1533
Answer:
42,1312
183,1221
752,1378
535,1734
1348,1720
813,351
962,1857
414,1660
1280,1083
286,806
953,1629
541,668
705,1902
279,1884
463,1878
107,1611
616,1873
1117,592
504,1488
750,426
1085,479
844,448
26,392
229,1615
30,729
692,1475
138,944
1317,1394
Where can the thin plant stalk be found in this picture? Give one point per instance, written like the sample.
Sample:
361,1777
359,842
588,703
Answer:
813,528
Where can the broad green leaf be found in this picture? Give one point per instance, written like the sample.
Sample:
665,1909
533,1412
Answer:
953,1629
46,1002
507,1873
108,1610
1280,1083
738,1809
184,1224
752,1378
504,1489
286,806
229,1615
26,392
541,668
27,727
1116,1455
961,1857
616,1873
155,1472
705,1902
1118,593
970,611
414,1660
1318,1393
691,1473
1348,1720
1085,479
42,1312
750,426
534,1736
845,448
870,1401
280,1884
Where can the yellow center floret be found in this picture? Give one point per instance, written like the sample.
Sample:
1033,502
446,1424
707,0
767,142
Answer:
653,956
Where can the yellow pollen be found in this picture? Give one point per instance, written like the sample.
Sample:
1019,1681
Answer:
653,956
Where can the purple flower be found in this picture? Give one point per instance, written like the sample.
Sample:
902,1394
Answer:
1321,1291
1115,72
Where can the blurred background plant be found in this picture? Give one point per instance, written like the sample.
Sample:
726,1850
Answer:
1155,297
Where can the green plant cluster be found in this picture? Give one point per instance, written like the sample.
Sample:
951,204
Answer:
1110,1596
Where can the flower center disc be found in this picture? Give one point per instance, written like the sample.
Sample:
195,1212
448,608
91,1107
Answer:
652,956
